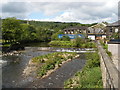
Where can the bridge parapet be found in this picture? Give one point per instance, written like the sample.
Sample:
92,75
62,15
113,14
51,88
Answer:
110,74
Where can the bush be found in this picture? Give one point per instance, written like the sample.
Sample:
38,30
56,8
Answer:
70,57
50,66
42,72
50,62
79,41
59,62
83,46
92,63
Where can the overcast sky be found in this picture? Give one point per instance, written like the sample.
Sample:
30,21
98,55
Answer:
63,11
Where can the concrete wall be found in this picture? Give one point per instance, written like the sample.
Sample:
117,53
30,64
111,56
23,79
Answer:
115,50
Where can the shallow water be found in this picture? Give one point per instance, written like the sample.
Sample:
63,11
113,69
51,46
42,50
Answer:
12,73
57,78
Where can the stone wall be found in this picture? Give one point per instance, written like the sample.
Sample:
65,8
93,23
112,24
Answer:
110,74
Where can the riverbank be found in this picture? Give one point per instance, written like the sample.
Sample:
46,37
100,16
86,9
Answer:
81,44
46,64
89,77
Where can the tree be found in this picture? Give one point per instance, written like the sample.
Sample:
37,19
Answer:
10,27
28,33
79,41
43,34
55,36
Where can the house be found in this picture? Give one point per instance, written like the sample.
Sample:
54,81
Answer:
97,32
113,28
75,30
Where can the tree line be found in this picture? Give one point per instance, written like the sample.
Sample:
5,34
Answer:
15,30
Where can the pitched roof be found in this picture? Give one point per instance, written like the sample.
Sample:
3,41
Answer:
117,23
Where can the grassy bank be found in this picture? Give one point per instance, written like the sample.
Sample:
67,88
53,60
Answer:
51,61
89,77
73,44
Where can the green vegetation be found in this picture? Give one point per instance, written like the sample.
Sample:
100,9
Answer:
63,43
14,30
89,77
65,38
50,61
55,35
105,46
78,42
115,35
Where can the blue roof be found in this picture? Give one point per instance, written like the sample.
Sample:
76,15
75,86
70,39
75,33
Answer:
71,36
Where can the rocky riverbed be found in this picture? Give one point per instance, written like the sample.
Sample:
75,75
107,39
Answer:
57,78
32,67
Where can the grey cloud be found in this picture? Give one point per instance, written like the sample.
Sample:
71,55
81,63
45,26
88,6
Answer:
14,7
80,10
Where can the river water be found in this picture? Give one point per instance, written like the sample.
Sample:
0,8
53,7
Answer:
12,75
56,79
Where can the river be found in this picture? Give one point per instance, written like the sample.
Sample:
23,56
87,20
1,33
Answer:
12,74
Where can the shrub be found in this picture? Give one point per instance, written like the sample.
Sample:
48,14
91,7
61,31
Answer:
50,62
59,62
50,67
92,63
109,53
83,45
105,46
42,72
70,57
